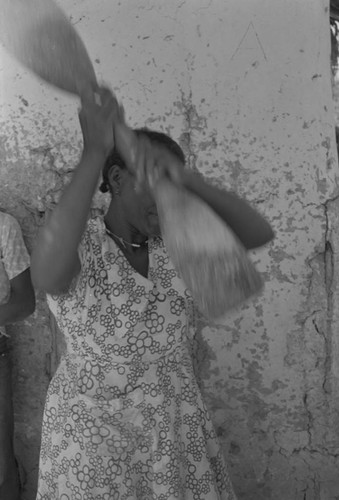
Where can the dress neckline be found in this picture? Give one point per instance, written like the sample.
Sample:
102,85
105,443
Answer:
110,242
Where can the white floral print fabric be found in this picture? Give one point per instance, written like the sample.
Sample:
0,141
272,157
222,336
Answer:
124,418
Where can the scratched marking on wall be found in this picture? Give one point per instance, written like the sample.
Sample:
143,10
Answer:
250,41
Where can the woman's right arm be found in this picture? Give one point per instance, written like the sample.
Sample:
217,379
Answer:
55,261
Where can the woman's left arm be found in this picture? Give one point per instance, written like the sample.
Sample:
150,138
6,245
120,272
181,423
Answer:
249,226
156,161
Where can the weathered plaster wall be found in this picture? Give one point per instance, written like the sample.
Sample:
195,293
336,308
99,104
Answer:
245,87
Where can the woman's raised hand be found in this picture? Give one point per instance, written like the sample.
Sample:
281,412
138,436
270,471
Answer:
98,113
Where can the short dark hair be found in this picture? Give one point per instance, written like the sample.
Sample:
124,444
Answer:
114,157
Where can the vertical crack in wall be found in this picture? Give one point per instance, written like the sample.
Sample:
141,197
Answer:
191,117
324,267
329,270
309,419
186,136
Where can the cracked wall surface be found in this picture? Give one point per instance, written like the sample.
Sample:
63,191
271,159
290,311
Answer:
245,88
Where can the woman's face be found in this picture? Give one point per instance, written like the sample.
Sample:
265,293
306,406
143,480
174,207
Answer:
139,207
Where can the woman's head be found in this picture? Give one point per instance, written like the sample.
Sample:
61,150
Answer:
137,208
114,157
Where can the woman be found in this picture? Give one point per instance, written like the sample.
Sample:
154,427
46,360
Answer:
124,418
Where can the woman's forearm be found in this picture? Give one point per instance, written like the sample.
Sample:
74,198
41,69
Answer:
54,260
249,226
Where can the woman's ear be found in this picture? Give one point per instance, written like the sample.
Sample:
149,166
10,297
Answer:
115,178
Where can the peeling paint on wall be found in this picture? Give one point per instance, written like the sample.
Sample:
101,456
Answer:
245,88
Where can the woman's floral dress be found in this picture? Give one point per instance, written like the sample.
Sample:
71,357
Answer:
124,418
